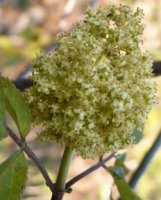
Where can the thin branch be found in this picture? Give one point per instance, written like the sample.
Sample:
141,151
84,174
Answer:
33,157
145,162
88,171
105,167
157,68
22,84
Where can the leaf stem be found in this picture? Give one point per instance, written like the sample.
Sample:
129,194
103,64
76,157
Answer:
33,157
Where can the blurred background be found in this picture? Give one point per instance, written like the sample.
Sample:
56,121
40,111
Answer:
29,26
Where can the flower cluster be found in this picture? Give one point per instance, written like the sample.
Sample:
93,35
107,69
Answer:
94,89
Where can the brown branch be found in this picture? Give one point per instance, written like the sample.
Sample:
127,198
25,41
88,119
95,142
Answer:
49,183
33,157
88,171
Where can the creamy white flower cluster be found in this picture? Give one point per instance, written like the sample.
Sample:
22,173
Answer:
94,90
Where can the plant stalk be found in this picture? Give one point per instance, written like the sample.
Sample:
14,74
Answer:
32,156
62,174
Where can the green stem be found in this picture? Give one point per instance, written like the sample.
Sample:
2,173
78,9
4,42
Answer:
62,174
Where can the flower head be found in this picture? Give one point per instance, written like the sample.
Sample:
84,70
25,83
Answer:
94,89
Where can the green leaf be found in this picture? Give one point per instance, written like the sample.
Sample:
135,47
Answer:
120,162
117,171
16,106
137,135
13,176
120,156
125,191
3,132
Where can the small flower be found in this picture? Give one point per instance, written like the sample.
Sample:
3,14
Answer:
94,89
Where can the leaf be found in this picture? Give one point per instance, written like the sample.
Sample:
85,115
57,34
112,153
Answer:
13,176
117,171
120,162
120,156
3,132
16,106
137,135
125,191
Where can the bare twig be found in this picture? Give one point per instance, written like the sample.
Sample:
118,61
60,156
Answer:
88,171
145,162
22,84
33,157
